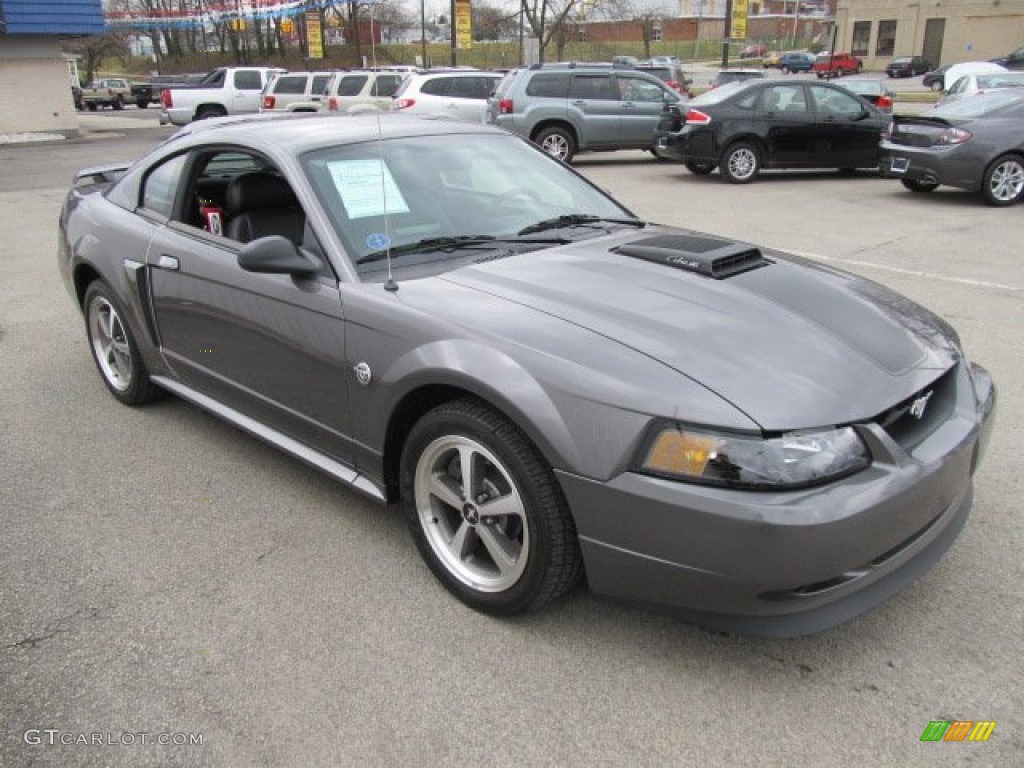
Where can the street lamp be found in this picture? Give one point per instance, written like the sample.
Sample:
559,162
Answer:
423,34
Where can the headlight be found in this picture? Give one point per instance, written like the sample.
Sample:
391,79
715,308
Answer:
744,461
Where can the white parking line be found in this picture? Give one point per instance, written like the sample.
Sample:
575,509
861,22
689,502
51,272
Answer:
911,272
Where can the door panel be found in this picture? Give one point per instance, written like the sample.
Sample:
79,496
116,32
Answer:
268,345
791,134
598,109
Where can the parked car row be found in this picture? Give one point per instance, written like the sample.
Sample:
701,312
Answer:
974,143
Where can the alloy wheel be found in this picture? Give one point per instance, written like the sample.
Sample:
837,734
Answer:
1006,181
110,344
471,513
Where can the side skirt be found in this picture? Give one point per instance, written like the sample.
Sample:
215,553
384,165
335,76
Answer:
300,451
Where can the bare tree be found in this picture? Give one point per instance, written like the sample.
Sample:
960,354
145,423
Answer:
95,50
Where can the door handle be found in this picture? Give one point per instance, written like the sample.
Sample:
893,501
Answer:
167,262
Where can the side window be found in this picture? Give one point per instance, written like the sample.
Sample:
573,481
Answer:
594,87
638,89
290,84
248,80
439,86
553,85
386,85
830,101
785,98
352,85
161,186
319,84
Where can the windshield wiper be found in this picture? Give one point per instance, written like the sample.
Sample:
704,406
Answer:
575,220
452,243
428,244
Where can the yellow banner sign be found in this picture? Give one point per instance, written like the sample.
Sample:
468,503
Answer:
314,35
463,24
738,27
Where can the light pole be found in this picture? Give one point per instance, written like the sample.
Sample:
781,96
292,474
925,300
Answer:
423,34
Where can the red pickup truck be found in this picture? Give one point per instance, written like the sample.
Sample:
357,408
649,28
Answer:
831,65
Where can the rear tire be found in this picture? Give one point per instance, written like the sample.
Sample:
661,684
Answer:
1003,183
741,163
921,187
486,511
141,103
205,113
557,142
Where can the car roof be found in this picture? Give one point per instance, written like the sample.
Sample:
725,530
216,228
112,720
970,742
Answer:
305,132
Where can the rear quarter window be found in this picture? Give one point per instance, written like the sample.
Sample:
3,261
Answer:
290,84
161,186
352,85
552,85
439,86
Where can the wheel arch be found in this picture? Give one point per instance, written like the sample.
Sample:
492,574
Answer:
555,123
513,393
747,138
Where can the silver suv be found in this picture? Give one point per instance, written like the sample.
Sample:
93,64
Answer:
569,107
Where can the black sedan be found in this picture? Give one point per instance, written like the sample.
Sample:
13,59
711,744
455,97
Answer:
976,144
742,128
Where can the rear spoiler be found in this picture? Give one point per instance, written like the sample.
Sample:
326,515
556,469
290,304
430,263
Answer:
100,174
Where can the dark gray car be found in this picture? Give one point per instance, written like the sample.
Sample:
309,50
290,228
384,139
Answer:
441,315
976,143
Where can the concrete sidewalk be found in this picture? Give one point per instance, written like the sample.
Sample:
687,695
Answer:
90,125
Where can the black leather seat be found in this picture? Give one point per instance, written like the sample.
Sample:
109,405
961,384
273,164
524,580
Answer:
262,204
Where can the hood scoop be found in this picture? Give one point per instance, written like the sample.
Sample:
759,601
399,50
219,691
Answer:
706,256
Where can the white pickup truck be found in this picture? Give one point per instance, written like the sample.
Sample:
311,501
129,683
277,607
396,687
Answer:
225,91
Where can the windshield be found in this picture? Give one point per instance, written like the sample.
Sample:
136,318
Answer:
438,202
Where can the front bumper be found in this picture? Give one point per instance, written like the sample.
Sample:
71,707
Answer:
786,563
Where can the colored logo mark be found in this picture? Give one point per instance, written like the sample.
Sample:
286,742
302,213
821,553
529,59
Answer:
378,241
958,730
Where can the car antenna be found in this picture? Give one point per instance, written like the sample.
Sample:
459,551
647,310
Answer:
390,285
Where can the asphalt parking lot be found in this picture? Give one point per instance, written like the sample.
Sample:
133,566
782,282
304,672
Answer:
162,573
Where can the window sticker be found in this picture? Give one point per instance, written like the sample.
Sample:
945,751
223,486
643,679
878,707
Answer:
378,241
367,188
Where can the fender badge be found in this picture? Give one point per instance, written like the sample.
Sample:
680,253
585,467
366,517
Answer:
918,406
364,374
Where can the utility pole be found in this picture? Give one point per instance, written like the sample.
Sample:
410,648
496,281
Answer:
451,26
728,32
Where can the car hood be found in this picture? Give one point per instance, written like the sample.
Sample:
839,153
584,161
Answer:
791,344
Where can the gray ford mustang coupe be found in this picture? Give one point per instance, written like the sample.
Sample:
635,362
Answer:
441,315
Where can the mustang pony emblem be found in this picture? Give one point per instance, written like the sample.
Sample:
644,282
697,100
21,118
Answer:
918,406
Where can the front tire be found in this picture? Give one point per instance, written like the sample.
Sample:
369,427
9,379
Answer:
486,511
114,349
557,142
741,163
699,169
1003,183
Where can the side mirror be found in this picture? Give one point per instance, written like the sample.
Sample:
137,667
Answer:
277,255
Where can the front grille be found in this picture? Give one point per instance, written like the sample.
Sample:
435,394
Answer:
911,421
